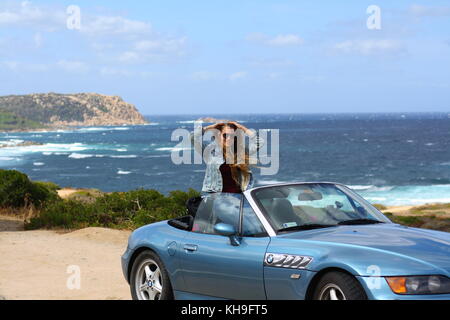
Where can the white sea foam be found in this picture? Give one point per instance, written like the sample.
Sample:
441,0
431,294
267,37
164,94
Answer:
357,187
80,156
11,142
131,156
39,164
123,172
91,129
159,156
370,188
20,152
407,195
173,149
189,121
121,128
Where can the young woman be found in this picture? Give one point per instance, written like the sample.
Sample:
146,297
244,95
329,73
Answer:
224,173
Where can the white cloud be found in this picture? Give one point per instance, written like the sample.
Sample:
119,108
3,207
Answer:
155,49
369,47
285,40
11,65
38,40
112,37
203,75
129,57
26,14
281,40
17,66
271,63
429,11
238,75
114,25
73,66
274,75
109,71
169,45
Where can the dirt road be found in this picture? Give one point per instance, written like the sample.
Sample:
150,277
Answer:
40,264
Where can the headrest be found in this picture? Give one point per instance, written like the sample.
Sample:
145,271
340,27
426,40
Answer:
272,193
310,196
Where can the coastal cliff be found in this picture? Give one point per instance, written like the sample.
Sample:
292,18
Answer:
22,112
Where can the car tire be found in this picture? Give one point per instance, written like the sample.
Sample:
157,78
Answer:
339,286
149,279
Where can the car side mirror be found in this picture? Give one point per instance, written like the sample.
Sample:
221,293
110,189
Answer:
228,230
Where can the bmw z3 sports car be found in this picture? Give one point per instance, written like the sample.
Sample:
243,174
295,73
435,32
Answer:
292,241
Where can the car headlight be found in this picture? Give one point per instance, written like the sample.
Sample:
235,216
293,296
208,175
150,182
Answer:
419,284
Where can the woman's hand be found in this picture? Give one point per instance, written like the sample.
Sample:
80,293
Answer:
213,126
241,127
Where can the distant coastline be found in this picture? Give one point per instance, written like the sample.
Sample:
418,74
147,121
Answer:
35,112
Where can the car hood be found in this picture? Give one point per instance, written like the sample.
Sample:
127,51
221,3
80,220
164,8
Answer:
428,246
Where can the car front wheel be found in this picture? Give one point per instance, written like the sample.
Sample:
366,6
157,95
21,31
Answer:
339,286
149,279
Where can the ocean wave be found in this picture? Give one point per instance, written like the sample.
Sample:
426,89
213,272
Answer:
358,187
11,142
121,128
408,195
80,156
96,129
39,164
45,149
189,121
131,156
370,188
158,156
89,129
173,149
123,172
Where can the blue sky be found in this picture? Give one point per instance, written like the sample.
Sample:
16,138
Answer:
260,56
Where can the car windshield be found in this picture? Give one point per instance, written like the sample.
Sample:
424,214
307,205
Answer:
310,206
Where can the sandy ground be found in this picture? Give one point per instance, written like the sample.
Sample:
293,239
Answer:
34,264
399,210
406,211
65,193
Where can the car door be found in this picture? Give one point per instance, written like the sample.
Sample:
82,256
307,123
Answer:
211,265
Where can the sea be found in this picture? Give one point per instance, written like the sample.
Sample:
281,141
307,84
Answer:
391,159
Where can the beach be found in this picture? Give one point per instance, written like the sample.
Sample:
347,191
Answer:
35,264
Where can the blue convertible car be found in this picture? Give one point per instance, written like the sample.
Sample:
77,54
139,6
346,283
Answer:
292,241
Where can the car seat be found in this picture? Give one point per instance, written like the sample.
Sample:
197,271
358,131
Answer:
282,212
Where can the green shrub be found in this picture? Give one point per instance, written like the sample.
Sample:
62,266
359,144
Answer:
128,210
86,196
17,190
